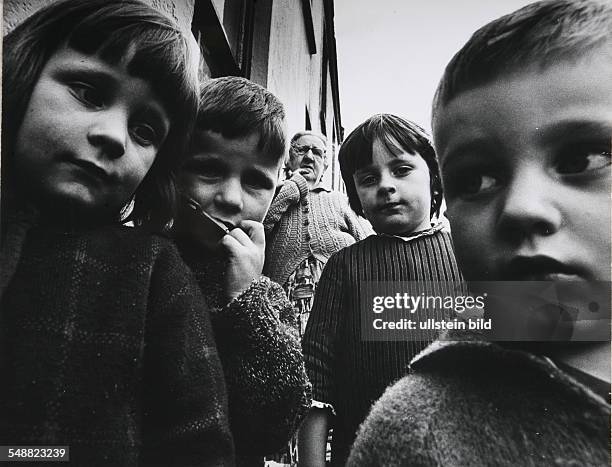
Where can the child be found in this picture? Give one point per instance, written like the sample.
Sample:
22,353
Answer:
391,177
522,122
106,344
232,172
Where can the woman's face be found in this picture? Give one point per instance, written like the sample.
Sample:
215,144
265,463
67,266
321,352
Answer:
308,158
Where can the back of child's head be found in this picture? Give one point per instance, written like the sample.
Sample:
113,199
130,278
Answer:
157,51
539,34
236,108
397,135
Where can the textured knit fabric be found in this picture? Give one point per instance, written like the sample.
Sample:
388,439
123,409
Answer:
303,223
347,372
261,355
109,350
475,403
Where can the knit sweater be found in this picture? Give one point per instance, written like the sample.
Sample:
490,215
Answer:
261,355
346,371
476,403
109,350
303,223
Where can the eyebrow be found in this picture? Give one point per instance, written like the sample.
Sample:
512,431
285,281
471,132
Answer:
473,145
575,130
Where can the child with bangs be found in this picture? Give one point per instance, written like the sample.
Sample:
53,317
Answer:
391,176
106,344
522,123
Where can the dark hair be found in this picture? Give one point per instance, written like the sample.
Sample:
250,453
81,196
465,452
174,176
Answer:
390,130
236,107
111,29
538,34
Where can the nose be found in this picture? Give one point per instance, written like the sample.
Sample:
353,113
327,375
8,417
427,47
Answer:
109,133
309,155
386,184
529,209
228,198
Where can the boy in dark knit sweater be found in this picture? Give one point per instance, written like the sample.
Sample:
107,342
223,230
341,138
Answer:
391,176
523,123
232,172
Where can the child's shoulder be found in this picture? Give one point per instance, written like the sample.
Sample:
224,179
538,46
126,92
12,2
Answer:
522,401
128,243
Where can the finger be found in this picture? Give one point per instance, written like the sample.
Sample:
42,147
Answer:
231,244
255,231
241,236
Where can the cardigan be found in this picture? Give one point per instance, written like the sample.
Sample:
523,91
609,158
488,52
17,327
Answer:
477,403
109,350
261,355
350,373
302,223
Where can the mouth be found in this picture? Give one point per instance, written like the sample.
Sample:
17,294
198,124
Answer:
94,171
227,224
540,268
390,206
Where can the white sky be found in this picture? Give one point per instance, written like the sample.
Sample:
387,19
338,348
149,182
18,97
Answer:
391,53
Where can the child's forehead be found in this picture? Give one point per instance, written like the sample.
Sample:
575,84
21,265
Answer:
210,140
528,109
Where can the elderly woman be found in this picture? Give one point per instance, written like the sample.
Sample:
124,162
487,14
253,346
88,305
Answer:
307,223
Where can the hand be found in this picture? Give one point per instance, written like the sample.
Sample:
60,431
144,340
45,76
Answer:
246,247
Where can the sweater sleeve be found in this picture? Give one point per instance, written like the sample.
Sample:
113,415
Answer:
292,191
264,368
319,341
185,405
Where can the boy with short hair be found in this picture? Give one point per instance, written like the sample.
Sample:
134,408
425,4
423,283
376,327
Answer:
232,172
522,124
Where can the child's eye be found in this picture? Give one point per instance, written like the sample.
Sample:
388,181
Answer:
87,93
471,184
145,135
367,180
402,170
258,181
204,168
578,160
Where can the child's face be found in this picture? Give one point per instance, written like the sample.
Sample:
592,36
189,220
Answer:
90,133
394,191
525,163
230,179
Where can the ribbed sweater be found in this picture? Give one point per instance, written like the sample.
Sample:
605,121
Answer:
303,223
109,349
477,403
260,351
347,372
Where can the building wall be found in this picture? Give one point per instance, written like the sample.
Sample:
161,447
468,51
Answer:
289,62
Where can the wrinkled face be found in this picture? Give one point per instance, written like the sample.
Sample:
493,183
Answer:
525,163
308,158
394,191
89,135
230,178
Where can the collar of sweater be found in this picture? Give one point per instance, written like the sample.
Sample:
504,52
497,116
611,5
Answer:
421,233
455,348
